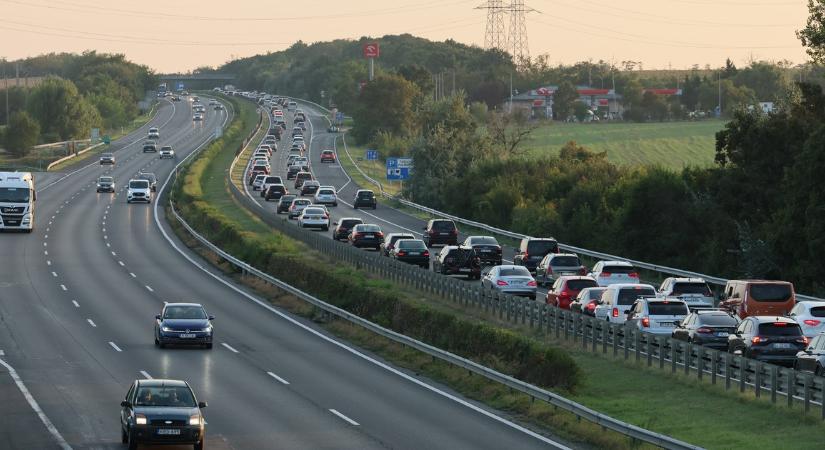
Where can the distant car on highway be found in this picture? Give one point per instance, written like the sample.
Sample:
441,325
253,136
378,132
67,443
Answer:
275,192
812,359
258,182
758,298
314,217
183,324
150,147
411,251
366,235
343,227
613,272
138,191
440,232
487,248
167,152
510,279
587,300
554,265
297,206
107,158
326,195
619,298
284,203
694,291
327,156
364,198
810,315
708,327
532,250
657,315
269,181
768,338
454,260
165,412
151,178
198,117
566,288
106,184
154,133
310,187
389,241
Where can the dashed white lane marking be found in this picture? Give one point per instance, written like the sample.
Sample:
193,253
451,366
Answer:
46,252
63,286
105,237
76,304
146,374
46,236
108,245
54,274
45,244
150,288
104,223
48,263
2,353
121,263
104,230
114,346
33,404
277,378
133,275
114,254
347,419
229,347
91,322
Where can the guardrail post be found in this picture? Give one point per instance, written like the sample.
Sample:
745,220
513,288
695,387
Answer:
662,351
674,355
614,333
700,361
556,321
791,387
647,350
593,339
637,343
687,357
757,379
806,383
727,370
575,321
604,327
775,384
743,373
565,324
714,365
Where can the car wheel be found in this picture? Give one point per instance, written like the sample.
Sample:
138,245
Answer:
161,344
157,343
132,443
335,204
354,206
209,346
124,438
199,445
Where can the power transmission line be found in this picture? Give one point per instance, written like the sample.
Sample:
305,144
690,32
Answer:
517,38
494,34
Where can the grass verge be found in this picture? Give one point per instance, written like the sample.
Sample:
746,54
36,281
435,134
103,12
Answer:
375,169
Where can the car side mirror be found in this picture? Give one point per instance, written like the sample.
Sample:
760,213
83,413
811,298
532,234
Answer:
157,316
125,404
211,317
202,405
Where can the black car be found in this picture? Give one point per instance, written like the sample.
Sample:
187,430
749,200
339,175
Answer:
411,251
707,327
185,324
343,227
487,248
163,412
310,187
150,148
812,359
284,203
389,241
294,170
151,178
532,250
275,192
364,198
366,235
440,232
768,338
458,261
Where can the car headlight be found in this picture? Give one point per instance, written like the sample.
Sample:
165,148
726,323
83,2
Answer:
166,329
140,419
195,419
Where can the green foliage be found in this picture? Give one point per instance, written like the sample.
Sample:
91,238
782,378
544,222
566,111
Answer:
17,102
813,35
385,104
563,100
21,134
58,106
580,111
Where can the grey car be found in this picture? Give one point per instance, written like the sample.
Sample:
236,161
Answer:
554,265
106,184
162,412
510,279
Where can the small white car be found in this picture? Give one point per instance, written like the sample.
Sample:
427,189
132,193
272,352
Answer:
297,207
314,217
139,191
611,272
510,279
167,152
657,315
618,299
198,117
810,315
258,182
326,195
693,291
154,133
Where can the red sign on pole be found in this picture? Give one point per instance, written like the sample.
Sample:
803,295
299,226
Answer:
371,50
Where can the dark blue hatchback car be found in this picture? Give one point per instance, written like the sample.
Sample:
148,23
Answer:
183,324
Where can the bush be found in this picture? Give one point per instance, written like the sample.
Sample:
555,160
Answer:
21,134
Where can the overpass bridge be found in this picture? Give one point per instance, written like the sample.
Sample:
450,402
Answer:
197,81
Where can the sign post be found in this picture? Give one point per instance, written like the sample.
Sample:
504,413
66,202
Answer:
372,51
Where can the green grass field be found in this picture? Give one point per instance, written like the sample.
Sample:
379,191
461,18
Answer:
669,144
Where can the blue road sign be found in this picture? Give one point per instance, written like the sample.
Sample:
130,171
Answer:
372,155
180,86
399,168
339,117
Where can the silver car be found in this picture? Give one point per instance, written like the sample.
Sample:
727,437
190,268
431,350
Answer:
554,265
693,291
326,196
510,279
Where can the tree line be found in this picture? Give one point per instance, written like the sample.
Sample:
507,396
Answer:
81,92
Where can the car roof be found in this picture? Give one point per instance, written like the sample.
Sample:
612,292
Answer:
155,382
630,285
688,280
183,304
553,255
617,263
541,239
577,277
508,266
766,319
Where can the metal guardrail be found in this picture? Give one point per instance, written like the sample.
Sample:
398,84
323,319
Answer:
66,158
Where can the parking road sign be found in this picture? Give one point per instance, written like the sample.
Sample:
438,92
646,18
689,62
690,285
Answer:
399,168
372,155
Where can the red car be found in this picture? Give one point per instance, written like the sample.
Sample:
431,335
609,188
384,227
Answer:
566,288
328,156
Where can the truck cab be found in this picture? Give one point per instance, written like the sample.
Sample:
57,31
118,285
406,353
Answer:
17,197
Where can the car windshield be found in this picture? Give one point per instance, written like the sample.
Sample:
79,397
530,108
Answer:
396,237
326,192
629,295
139,184
107,155
779,329
105,179
271,180
770,292
326,152
595,293
514,272
287,198
443,225
168,396
300,202
619,269
667,309
717,320
184,312
565,261
577,285
542,247
692,288
483,240
14,195
411,243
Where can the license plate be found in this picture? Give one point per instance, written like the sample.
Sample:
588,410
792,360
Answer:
168,431
464,270
369,236
445,234
666,324
722,334
486,251
187,336
782,345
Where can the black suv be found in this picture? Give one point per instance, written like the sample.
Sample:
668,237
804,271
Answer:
365,198
458,261
768,338
486,247
149,147
343,227
284,203
532,250
440,232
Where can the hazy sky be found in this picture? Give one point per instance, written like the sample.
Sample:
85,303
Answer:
179,35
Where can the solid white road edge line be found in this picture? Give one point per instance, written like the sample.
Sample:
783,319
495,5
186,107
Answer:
347,419
33,403
229,347
76,304
277,378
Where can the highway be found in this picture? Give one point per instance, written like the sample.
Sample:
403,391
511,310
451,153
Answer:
79,296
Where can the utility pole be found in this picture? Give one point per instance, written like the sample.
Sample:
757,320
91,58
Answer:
453,93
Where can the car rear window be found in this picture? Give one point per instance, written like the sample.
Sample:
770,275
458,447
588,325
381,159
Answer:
365,194
629,295
484,240
304,175
577,285
619,269
565,261
400,236
287,198
542,247
261,168
717,320
411,243
369,228
314,211
106,179
350,223
595,293
515,272
692,288
779,329
818,311
271,180
443,225
770,292
667,308
301,202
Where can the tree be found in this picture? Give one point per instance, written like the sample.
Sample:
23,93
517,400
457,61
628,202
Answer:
730,69
654,106
491,92
813,35
509,131
580,111
419,76
563,100
61,110
385,104
21,134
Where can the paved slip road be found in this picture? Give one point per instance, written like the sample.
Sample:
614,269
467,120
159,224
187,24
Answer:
77,302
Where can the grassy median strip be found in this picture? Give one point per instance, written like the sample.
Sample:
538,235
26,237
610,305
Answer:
375,169
672,404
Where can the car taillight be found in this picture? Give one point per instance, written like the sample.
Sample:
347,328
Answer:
704,330
426,253
379,234
634,274
804,339
591,306
402,253
646,322
356,235
564,295
498,250
758,340
604,274
811,322
532,283
526,255
501,283
615,312
326,216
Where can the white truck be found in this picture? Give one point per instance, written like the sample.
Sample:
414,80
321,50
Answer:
17,196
